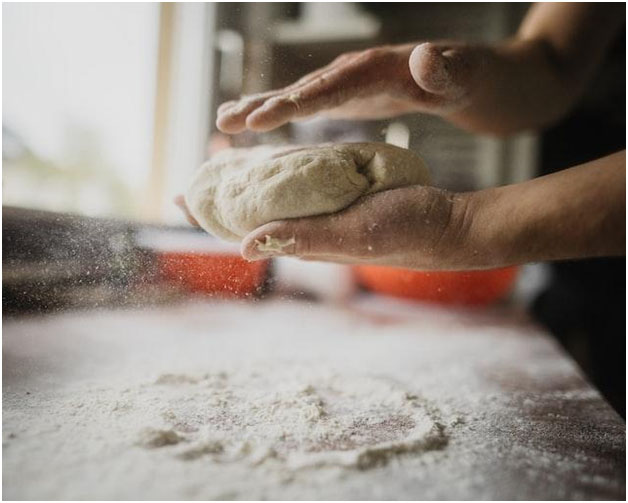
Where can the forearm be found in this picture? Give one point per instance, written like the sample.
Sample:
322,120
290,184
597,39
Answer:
576,213
534,78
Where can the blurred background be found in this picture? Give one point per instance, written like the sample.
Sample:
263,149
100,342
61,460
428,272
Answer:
78,105
109,108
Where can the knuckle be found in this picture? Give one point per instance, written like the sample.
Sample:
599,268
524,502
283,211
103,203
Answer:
281,101
378,54
345,56
371,54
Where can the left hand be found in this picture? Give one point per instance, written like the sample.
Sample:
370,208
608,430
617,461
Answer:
180,202
376,83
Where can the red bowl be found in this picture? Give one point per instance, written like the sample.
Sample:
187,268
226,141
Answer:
222,274
447,287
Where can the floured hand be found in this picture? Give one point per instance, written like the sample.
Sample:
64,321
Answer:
416,227
375,83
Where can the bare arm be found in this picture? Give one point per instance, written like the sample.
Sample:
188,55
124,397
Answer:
576,213
536,77
525,82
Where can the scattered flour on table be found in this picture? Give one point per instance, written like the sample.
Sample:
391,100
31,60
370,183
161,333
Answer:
255,427
322,405
292,415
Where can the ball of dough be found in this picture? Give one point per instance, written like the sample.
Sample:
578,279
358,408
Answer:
239,190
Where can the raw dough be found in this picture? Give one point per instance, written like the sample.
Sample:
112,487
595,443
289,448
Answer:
239,190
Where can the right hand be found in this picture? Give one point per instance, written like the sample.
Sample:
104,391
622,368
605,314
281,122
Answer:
416,227
372,84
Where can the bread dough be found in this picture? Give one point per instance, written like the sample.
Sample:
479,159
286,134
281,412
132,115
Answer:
239,190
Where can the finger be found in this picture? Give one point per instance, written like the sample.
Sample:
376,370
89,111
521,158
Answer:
231,116
301,237
225,106
328,90
230,106
275,112
340,236
310,77
232,119
443,69
179,200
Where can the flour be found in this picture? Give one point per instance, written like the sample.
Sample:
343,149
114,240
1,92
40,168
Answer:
272,244
286,400
295,416
256,427
152,439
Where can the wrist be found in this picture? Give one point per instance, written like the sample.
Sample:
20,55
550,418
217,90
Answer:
487,233
469,238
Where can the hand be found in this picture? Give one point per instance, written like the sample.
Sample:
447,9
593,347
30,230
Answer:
179,200
576,213
528,81
415,227
376,83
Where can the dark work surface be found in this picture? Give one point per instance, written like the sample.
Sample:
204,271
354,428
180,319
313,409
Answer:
521,420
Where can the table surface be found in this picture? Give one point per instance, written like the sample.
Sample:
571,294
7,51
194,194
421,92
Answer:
520,419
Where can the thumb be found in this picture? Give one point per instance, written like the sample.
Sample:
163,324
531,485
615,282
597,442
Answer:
444,69
301,237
